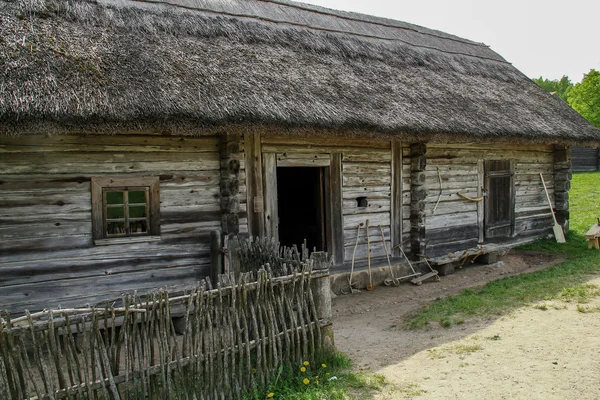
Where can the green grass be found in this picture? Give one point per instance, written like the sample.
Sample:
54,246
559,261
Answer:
563,281
332,378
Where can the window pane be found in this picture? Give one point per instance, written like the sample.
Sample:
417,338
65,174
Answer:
114,197
115,212
138,227
115,228
137,197
137,212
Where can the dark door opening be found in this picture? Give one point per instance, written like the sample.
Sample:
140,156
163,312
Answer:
499,200
301,206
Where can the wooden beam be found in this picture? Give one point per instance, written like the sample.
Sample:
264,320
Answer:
480,204
336,212
254,185
271,214
396,209
562,183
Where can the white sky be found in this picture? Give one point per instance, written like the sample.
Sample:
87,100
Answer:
548,38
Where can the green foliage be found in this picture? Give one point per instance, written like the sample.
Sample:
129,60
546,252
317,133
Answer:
585,97
561,88
557,282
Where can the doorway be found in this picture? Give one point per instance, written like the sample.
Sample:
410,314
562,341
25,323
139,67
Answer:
301,206
499,220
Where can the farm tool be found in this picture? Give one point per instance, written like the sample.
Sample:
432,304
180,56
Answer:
414,274
350,283
558,232
392,280
431,274
418,277
370,285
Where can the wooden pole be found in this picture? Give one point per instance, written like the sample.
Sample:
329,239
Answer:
321,289
216,256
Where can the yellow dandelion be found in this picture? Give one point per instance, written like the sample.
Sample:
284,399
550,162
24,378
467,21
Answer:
303,369
270,395
306,381
324,365
306,363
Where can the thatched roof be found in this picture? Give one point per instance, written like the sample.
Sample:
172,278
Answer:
116,64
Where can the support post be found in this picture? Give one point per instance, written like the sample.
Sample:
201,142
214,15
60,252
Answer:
418,193
562,184
397,183
321,289
216,256
229,149
254,185
336,217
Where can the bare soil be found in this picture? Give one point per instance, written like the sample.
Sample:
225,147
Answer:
545,351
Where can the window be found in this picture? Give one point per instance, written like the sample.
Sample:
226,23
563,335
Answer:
125,209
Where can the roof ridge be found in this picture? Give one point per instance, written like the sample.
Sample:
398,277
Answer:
335,13
258,17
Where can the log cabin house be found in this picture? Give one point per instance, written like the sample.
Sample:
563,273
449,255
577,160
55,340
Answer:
130,130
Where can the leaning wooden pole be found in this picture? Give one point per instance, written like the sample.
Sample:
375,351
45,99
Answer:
558,232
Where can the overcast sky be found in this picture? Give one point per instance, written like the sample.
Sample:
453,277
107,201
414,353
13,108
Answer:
546,38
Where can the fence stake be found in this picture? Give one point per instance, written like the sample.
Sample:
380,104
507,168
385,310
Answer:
216,256
322,296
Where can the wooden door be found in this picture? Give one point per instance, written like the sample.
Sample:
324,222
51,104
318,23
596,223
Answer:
499,218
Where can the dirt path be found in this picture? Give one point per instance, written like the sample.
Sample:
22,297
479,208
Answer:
530,353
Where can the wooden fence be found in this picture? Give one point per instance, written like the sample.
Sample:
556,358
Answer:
225,341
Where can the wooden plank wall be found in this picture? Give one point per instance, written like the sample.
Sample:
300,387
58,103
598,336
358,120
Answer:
366,167
454,226
47,256
585,159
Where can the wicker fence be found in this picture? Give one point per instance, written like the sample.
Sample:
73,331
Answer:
225,341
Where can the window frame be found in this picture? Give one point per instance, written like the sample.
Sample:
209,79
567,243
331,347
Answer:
99,186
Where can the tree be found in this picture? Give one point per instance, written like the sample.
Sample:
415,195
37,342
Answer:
561,87
585,97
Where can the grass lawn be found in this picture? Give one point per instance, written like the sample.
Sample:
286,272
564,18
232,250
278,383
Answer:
561,280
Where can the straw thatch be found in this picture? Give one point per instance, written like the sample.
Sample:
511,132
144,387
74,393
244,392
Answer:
121,64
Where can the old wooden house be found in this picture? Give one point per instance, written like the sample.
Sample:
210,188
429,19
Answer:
130,130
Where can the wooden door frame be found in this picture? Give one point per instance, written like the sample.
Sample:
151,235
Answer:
487,176
334,229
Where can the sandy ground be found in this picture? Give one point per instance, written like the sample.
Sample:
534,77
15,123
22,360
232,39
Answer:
544,351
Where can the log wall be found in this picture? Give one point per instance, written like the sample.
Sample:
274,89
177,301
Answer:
456,223
47,255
